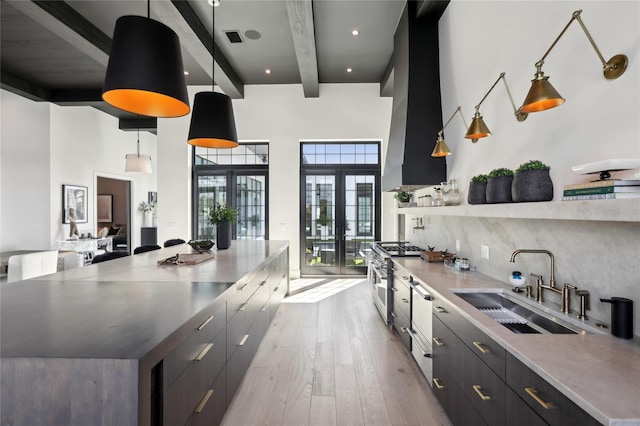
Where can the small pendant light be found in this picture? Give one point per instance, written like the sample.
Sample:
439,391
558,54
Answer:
145,74
212,122
136,163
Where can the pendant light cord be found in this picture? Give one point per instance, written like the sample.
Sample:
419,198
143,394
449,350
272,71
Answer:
213,48
149,9
138,142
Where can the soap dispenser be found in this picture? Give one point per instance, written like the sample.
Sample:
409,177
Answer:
621,317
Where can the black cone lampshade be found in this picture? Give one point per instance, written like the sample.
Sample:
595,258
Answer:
145,74
212,121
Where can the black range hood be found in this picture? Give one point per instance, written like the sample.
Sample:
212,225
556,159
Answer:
417,112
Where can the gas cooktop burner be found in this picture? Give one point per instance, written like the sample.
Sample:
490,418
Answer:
398,248
401,248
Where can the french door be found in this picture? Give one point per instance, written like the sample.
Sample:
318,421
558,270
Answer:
339,219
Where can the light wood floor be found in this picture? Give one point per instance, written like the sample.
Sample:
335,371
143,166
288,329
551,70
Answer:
333,362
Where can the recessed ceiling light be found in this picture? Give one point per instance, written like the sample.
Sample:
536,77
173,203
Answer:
186,72
355,32
214,3
349,69
267,71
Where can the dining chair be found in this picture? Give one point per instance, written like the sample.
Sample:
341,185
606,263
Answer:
174,242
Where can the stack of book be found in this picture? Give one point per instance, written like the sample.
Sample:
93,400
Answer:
602,189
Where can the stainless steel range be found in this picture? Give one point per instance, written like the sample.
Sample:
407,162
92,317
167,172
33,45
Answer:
380,269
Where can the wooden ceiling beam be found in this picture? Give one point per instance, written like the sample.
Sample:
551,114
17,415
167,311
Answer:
14,84
301,21
196,39
66,23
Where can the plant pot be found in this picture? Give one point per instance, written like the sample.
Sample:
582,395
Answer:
499,189
223,235
477,193
532,185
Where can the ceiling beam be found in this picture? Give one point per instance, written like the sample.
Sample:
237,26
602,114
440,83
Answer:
149,124
66,23
14,84
431,9
196,39
301,21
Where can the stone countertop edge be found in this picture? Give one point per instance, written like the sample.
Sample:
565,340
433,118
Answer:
598,372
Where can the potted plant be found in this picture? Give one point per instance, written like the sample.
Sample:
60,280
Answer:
222,215
404,198
149,212
478,189
499,185
531,182
426,200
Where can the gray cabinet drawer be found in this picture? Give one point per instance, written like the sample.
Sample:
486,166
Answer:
490,352
519,413
182,398
245,288
239,362
211,408
455,404
548,402
402,325
242,321
179,359
447,350
401,297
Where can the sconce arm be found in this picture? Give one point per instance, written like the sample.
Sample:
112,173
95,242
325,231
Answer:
459,109
613,68
520,116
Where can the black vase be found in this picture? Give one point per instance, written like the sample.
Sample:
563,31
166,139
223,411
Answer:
532,185
223,235
477,193
499,189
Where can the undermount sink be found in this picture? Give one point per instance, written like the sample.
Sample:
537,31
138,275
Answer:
516,315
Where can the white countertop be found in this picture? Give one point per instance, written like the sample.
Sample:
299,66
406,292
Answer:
598,372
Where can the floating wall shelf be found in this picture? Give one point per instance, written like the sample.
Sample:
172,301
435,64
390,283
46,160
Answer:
626,210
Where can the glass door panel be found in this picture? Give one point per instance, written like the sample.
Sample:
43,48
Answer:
359,220
251,205
211,190
320,224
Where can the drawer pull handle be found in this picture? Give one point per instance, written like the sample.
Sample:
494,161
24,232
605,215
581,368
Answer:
204,401
393,315
481,394
243,307
533,393
481,347
437,384
394,289
275,289
204,323
263,283
244,340
404,329
264,308
438,342
242,288
405,300
204,352
405,277
440,310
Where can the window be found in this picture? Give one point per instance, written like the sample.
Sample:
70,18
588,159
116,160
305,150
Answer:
364,205
239,177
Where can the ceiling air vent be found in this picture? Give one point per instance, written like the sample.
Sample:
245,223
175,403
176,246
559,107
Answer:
233,36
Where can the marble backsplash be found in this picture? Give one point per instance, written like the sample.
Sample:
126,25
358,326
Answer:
601,257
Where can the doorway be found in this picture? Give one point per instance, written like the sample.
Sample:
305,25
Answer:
340,215
117,217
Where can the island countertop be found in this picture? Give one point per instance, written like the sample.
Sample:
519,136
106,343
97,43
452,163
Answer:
598,372
123,308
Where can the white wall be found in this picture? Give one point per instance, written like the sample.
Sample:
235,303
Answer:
25,197
45,146
598,121
281,115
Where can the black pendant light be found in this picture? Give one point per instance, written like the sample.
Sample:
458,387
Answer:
212,122
145,74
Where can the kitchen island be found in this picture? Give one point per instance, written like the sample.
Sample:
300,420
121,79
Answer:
131,342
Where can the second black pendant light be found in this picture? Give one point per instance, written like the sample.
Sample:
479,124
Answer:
212,122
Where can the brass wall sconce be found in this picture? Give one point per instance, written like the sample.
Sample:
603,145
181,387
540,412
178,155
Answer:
478,128
441,149
543,96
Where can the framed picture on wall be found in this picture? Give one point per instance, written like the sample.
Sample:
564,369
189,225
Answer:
74,203
153,197
105,208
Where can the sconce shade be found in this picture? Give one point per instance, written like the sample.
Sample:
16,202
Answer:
542,96
477,129
145,74
212,121
441,149
137,163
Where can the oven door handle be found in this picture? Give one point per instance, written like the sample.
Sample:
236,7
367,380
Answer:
423,294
